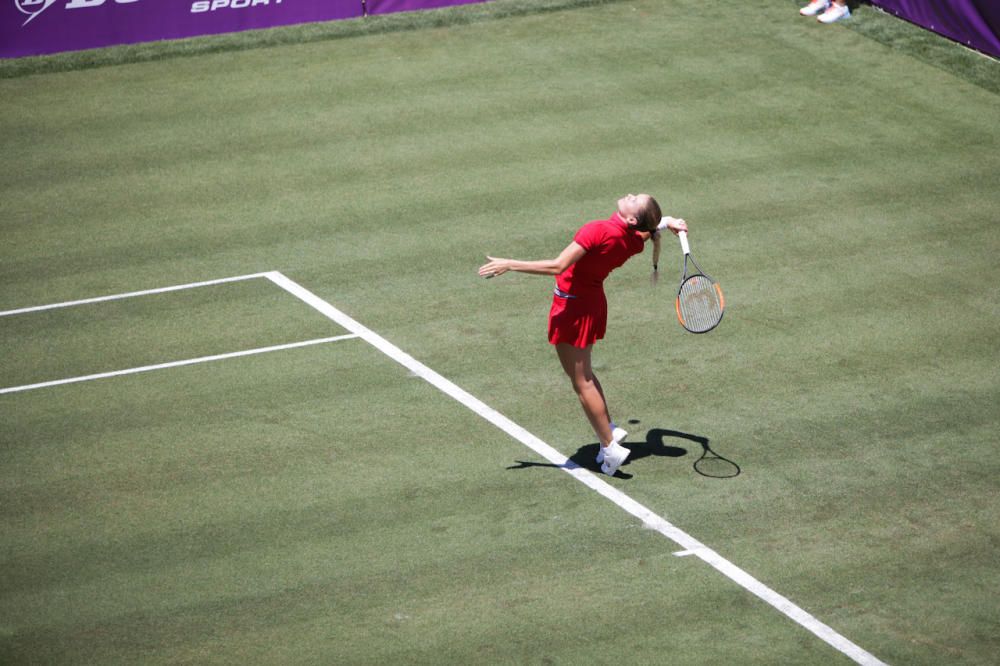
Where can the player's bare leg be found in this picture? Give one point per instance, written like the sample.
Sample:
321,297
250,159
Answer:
576,364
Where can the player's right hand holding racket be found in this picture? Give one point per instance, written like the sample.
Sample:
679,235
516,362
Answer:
673,224
700,303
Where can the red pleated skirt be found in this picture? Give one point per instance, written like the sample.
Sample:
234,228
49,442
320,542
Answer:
578,321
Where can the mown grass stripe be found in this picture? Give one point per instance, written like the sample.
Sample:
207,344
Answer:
648,517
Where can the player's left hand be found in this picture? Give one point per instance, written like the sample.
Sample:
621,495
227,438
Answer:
493,267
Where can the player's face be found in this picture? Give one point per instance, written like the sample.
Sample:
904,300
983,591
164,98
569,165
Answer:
630,205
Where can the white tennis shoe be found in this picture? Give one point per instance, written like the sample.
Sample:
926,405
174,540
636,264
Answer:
834,13
614,456
814,7
618,435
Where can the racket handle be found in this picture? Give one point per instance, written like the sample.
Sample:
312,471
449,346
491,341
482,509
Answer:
683,238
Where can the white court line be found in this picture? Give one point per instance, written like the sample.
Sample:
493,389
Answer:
131,294
175,364
650,520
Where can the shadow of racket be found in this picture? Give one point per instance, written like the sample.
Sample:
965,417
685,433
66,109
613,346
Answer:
710,464
713,465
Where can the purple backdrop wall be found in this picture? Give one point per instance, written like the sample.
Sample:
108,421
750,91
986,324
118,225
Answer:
37,27
33,27
975,23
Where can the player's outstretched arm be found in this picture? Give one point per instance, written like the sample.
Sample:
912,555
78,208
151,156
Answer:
498,266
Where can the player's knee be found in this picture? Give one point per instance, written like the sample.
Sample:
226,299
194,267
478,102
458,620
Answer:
581,384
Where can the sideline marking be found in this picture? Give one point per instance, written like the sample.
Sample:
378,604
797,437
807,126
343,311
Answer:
649,519
174,364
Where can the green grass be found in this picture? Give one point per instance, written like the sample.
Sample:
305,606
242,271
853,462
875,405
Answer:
320,505
926,46
871,22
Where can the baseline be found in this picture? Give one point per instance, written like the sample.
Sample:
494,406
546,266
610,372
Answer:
649,519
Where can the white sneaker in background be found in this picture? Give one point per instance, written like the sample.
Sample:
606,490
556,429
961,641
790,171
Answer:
814,7
834,13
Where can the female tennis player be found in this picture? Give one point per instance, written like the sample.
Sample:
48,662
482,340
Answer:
579,313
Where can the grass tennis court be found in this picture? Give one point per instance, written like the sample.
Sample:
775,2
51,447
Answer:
324,504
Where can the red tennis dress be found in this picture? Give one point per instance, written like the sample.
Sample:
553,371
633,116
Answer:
579,314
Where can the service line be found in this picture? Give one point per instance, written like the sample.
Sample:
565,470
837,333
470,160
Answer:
131,294
176,364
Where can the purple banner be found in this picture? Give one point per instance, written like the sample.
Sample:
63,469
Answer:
36,27
975,23
389,6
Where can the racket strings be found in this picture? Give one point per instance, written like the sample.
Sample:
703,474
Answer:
699,305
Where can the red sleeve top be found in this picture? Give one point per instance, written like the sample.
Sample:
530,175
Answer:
609,244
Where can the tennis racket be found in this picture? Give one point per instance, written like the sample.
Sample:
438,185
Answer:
700,303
